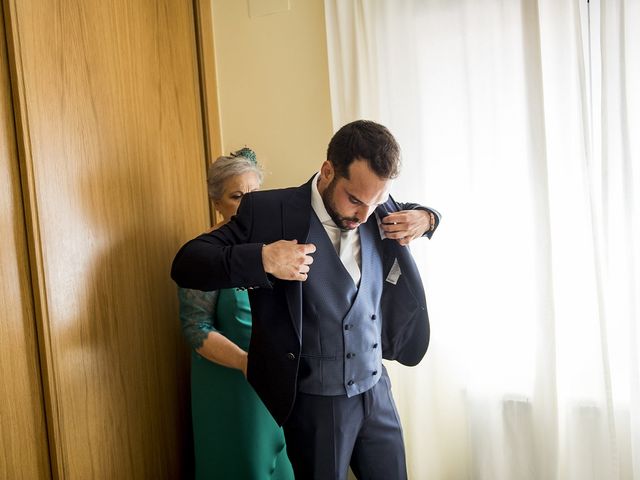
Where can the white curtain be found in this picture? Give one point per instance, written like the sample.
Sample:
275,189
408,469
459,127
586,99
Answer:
520,121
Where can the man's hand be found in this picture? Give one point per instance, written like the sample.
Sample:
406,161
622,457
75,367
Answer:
288,260
407,225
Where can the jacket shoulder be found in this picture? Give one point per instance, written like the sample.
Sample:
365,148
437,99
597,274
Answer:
270,197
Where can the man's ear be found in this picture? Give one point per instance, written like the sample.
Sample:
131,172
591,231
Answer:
327,172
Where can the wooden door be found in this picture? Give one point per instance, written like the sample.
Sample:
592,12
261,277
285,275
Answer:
23,440
111,145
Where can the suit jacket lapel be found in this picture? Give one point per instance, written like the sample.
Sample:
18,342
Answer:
296,215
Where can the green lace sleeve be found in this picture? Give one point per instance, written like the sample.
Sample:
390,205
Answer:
197,312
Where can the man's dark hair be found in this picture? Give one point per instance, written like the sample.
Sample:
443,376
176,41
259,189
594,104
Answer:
365,140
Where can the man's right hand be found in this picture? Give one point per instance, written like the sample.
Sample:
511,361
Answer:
288,260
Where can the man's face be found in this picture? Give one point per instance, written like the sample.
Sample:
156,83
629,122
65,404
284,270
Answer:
351,201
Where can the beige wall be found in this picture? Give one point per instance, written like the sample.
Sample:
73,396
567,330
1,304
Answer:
273,86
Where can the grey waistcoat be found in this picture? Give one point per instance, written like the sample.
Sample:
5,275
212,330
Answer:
341,324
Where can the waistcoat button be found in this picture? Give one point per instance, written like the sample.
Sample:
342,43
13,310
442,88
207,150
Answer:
291,356
350,382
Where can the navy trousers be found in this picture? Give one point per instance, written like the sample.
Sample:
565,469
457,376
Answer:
327,434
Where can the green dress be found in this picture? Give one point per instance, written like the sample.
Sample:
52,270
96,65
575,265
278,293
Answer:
235,436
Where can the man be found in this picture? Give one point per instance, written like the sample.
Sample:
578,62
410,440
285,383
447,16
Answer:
333,290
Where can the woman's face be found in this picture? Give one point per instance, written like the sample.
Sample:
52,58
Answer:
234,189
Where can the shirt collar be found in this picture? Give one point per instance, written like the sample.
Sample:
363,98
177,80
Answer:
318,205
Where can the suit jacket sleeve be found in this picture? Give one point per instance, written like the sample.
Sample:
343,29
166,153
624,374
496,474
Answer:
224,258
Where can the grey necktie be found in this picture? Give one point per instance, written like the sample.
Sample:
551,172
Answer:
347,256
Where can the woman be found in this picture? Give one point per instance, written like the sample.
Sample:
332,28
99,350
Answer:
235,437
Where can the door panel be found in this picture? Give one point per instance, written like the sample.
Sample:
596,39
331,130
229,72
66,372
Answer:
23,440
112,140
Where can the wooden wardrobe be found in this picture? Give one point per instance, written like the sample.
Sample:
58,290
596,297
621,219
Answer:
102,169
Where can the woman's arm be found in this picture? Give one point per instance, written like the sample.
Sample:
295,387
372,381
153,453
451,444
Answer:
197,310
221,350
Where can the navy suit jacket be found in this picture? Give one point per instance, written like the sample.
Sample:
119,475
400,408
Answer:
231,256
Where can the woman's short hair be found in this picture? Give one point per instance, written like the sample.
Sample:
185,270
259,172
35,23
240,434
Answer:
237,163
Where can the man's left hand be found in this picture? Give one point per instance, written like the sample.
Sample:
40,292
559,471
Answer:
407,225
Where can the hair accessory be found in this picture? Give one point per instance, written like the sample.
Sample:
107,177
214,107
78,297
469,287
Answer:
246,153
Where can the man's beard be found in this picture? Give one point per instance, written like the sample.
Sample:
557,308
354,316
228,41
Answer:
327,199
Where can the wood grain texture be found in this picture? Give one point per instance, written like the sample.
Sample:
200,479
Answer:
23,441
208,78
112,140
208,88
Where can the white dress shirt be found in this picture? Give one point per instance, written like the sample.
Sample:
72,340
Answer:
346,242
